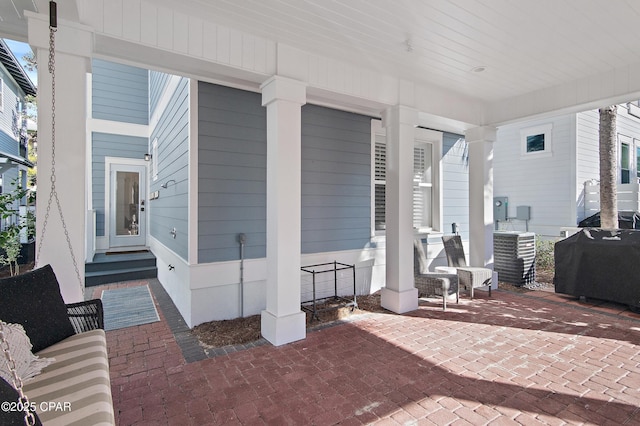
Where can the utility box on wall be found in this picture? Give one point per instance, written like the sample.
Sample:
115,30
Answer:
500,208
523,213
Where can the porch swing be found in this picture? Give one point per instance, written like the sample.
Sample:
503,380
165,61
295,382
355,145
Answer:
32,304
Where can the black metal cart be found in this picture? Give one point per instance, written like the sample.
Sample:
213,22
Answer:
311,306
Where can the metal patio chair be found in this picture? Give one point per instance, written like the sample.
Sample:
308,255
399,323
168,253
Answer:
432,283
469,277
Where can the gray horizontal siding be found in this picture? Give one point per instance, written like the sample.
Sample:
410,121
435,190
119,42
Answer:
170,210
8,144
232,153
10,122
109,145
336,180
120,92
157,84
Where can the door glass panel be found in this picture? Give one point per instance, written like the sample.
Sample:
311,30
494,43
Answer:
127,203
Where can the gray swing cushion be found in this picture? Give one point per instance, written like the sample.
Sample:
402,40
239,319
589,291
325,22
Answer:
33,299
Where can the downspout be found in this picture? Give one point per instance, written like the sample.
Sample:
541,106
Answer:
242,238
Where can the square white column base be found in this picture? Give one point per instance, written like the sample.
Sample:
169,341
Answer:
282,330
399,302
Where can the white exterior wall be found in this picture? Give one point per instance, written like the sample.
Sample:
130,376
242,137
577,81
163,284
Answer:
200,299
588,158
545,183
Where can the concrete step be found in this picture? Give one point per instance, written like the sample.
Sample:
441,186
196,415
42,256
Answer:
110,268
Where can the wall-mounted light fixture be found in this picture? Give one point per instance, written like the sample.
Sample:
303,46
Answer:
166,184
148,157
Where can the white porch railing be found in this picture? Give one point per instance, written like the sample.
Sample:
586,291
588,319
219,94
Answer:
628,197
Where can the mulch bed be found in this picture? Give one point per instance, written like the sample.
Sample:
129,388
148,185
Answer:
237,331
216,334
5,272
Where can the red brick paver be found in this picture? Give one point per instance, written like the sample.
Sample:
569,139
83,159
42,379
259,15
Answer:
509,359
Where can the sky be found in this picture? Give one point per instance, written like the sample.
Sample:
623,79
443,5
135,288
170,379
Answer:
20,49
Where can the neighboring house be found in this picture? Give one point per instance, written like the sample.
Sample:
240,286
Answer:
15,85
552,166
214,138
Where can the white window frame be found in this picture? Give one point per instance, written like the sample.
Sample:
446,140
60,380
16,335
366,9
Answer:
631,166
422,138
434,138
543,129
378,136
1,95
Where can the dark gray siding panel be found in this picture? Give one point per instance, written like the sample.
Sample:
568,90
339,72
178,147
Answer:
108,145
120,92
336,180
232,153
170,209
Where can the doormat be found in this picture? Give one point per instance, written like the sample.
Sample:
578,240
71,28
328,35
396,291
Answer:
126,307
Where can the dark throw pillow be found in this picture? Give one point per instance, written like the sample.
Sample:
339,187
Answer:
33,299
10,415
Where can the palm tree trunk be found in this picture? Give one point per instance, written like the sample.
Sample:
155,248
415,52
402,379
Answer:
608,168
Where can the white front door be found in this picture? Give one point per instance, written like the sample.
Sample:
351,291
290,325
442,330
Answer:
127,216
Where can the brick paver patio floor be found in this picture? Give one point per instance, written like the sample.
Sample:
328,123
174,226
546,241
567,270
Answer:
535,358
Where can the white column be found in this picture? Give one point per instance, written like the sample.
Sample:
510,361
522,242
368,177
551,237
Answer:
283,322
399,294
72,53
480,140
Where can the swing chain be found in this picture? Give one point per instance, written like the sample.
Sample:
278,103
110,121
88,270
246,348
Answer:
23,401
54,193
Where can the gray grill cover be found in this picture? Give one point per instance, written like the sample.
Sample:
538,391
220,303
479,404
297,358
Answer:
600,264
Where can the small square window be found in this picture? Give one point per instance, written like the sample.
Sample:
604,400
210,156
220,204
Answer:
536,141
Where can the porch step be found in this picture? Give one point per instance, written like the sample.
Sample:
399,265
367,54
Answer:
110,268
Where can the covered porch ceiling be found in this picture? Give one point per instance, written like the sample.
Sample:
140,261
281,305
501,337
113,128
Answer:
513,59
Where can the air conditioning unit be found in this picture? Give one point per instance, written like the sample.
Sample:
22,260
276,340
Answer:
515,256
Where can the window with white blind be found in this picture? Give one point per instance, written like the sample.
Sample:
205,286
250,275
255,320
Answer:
422,186
427,198
379,181
628,159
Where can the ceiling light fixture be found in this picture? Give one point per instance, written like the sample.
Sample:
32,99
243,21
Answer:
480,68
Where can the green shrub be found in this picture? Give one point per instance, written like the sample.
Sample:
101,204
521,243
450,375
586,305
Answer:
10,242
544,253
